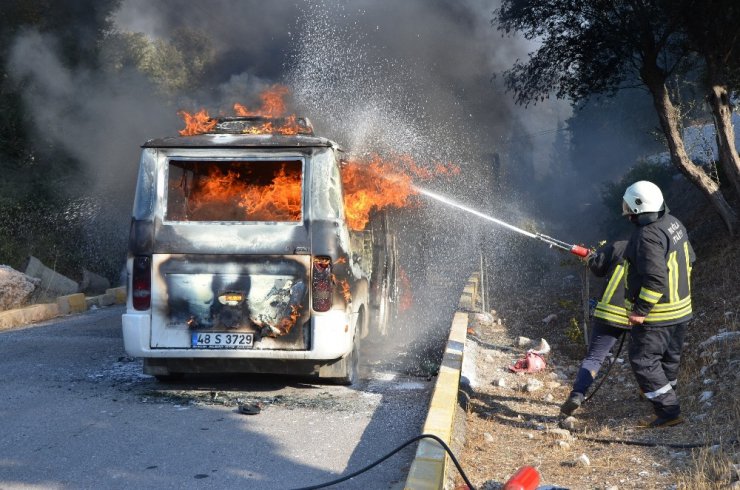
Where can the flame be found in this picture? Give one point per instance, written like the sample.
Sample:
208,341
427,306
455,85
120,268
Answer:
273,103
273,108
197,123
288,322
376,183
345,290
279,200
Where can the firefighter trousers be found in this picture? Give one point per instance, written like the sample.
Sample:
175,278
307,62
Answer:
603,338
655,354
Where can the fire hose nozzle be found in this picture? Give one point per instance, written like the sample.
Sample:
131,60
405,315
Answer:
580,251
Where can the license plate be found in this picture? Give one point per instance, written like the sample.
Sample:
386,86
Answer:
221,340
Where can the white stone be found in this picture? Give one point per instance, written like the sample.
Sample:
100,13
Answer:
708,381
549,318
533,385
523,341
488,437
543,348
553,384
561,445
500,382
706,396
548,398
568,423
583,460
643,474
15,288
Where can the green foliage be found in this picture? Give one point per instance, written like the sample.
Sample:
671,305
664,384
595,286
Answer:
175,65
574,332
615,225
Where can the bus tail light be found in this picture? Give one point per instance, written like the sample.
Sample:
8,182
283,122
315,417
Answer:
322,284
141,283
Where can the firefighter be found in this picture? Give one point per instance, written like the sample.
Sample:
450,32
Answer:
610,319
658,298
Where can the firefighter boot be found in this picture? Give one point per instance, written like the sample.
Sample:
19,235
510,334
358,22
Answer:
572,403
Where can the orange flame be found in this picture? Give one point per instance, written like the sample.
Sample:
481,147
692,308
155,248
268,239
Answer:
273,103
345,290
288,322
376,184
197,123
279,200
273,107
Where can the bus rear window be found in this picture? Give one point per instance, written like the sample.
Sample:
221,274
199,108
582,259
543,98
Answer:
258,190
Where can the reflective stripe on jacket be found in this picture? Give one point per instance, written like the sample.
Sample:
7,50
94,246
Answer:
608,261
659,258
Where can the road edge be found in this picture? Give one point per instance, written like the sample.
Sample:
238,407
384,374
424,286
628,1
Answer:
429,467
64,305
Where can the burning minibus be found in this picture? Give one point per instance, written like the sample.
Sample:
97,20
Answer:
241,259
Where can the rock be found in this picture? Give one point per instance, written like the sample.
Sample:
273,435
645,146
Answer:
533,385
530,436
643,474
708,381
613,487
16,288
549,318
500,382
543,348
568,423
488,437
561,445
52,283
93,284
719,338
706,396
523,341
559,434
548,398
583,460
553,384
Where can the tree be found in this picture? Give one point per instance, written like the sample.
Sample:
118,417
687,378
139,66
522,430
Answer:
599,47
711,28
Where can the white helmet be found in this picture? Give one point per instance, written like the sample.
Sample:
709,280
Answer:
642,197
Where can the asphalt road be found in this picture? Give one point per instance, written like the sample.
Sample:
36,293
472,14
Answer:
76,412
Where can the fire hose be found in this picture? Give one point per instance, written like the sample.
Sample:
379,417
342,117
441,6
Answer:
552,242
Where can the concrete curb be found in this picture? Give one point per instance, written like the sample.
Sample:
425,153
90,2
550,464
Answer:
429,468
65,305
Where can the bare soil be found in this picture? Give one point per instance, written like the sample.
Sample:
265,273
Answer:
508,426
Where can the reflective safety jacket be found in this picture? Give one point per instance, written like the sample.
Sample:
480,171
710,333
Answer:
608,261
660,259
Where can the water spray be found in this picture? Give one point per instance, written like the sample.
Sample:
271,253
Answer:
552,242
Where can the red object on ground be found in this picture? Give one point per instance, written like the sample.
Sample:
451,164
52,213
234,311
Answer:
531,363
526,478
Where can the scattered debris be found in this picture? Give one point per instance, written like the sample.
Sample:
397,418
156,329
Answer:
568,423
720,338
560,434
523,341
531,363
583,460
533,385
250,408
549,318
543,348
706,396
